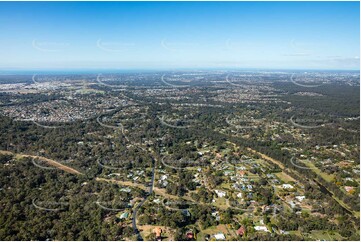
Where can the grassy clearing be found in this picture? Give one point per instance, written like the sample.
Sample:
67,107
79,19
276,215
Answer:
284,177
325,176
325,235
221,201
222,228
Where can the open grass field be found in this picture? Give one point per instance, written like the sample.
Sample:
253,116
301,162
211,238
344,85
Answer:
284,177
327,177
325,235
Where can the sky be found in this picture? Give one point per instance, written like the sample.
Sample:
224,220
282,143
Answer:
173,35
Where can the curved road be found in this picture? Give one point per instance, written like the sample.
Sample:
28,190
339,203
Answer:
134,221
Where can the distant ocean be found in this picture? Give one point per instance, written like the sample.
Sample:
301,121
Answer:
71,72
132,71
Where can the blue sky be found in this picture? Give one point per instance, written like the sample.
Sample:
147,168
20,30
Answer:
170,35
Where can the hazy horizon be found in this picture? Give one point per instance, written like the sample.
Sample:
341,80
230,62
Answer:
178,35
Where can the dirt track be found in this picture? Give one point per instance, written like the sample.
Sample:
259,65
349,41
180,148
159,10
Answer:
48,161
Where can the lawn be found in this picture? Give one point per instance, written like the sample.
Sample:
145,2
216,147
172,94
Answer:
325,235
223,228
